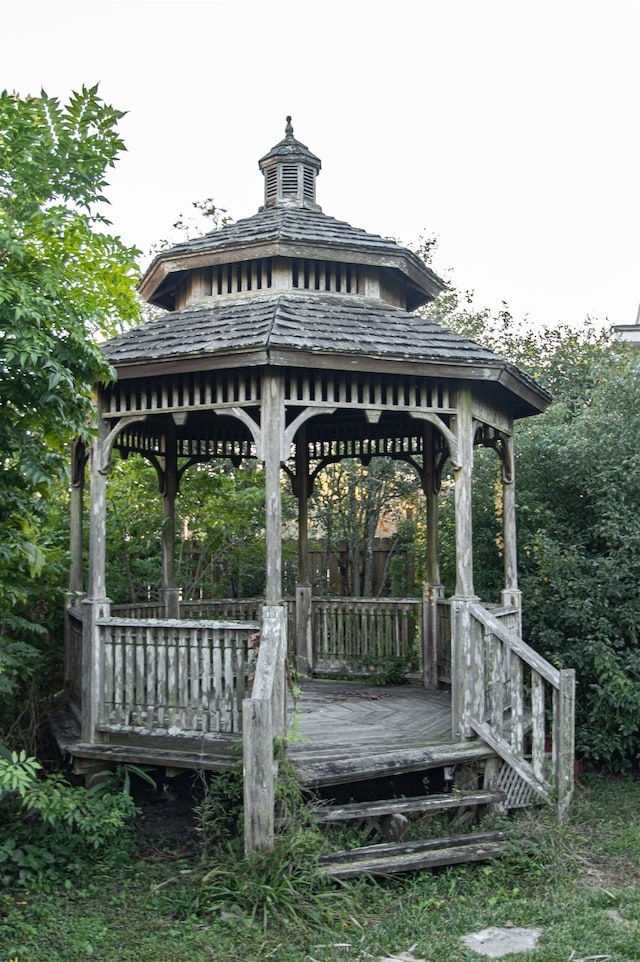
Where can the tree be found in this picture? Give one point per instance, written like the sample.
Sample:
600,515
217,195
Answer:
349,504
64,283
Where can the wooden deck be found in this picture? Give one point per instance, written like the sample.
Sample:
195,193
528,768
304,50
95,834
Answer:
347,731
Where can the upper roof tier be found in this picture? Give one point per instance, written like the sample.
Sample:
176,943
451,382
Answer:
290,225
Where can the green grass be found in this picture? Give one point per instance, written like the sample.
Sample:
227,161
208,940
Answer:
579,883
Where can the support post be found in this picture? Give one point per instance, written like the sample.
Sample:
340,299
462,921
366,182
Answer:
304,627
564,740
463,649
97,603
511,595
272,424
76,497
432,591
169,494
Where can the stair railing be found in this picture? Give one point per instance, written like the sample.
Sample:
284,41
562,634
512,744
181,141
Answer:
518,703
264,720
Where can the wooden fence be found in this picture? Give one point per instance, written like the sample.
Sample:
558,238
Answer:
364,635
173,677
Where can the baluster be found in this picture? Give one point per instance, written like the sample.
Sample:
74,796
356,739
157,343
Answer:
205,682
497,687
151,679
517,706
227,723
129,677
108,703
141,679
161,679
537,725
216,694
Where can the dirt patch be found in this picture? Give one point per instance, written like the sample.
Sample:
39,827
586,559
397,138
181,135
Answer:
609,871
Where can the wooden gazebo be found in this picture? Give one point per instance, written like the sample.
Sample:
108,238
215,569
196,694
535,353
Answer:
290,337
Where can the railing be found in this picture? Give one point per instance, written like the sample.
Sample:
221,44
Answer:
519,704
182,677
362,636
74,623
263,721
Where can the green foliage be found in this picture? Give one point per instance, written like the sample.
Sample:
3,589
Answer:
49,826
350,503
63,282
578,492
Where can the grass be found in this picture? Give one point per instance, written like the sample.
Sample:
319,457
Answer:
579,883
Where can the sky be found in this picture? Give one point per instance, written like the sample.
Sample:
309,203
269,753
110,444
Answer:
507,129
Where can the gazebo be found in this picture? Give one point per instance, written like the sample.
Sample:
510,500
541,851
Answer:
291,337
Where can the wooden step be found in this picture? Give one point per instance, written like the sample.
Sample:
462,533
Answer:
396,858
318,770
426,804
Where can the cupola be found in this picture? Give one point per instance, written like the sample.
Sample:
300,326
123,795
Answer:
290,171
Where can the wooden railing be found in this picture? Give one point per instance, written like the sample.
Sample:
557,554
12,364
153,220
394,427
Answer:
73,628
518,703
174,677
264,720
363,635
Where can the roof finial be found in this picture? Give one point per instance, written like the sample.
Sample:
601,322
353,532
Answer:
288,129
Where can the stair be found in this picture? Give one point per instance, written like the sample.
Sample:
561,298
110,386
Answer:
399,857
387,818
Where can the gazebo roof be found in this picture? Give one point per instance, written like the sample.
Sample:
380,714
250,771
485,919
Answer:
312,330
295,288
288,232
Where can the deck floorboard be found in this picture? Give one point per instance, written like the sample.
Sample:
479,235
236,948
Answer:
344,724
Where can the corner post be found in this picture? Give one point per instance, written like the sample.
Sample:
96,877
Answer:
169,494
511,595
464,651
304,635
97,604
272,424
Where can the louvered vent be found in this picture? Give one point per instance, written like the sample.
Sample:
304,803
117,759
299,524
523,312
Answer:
289,179
312,275
309,184
272,183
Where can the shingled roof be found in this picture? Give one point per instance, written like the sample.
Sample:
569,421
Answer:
288,231
291,329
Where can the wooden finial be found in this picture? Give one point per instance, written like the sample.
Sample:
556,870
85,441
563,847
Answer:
288,129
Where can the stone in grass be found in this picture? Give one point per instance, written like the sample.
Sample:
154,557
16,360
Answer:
496,942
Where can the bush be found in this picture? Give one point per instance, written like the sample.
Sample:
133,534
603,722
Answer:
49,826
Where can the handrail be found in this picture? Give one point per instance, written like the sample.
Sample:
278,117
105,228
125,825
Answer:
518,703
263,721
524,651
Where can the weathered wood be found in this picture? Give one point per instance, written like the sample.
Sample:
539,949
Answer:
524,651
426,804
564,739
360,635
463,495
517,762
334,771
394,858
272,427
174,676
263,721
258,774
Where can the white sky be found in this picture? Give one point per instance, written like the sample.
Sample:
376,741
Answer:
509,129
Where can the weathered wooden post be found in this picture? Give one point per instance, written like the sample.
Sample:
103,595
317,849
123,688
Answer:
169,494
464,652
304,635
263,720
97,604
432,591
511,595
272,435
564,739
